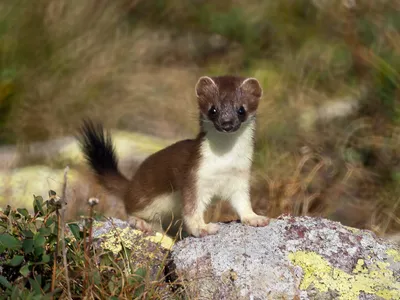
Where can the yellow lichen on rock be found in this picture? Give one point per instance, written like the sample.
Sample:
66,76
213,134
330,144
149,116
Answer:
352,229
360,267
394,254
376,279
114,239
162,239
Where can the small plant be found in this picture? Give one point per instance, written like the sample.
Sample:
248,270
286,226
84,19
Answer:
32,265
27,246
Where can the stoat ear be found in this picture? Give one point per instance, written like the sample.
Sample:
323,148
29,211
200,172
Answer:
252,86
205,86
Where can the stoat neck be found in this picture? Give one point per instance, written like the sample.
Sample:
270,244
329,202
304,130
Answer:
221,143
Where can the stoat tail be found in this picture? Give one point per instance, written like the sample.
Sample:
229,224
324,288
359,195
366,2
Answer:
99,152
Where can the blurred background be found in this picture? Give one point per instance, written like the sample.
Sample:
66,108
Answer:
328,125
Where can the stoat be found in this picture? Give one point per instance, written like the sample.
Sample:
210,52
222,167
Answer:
181,180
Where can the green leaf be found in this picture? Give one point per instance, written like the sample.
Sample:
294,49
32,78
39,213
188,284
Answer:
141,272
38,251
46,287
35,285
27,295
105,260
10,242
96,278
33,227
15,294
45,231
138,293
54,229
24,270
39,241
16,260
23,211
38,206
49,222
7,210
4,282
27,245
27,233
39,279
75,230
46,258
111,286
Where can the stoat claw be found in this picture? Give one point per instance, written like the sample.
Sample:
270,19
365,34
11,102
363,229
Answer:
209,229
204,230
256,220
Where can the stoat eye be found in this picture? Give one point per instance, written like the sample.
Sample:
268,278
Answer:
241,111
212,111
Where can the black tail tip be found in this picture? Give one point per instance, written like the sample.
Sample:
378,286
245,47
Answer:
97,147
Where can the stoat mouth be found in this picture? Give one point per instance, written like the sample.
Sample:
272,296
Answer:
227,130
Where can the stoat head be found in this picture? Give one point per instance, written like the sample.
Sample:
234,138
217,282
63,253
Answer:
227,101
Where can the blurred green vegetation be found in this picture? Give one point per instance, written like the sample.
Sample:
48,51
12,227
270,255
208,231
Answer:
134,64
34,247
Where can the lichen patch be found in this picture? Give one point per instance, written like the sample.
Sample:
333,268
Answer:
394,254
115,238
376,279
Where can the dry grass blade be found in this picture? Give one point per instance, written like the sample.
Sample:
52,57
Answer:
62,225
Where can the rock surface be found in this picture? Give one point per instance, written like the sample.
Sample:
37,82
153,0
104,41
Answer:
292,258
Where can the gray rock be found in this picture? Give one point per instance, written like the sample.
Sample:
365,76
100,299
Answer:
292,258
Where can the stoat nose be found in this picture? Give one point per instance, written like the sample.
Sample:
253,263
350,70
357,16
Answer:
227,126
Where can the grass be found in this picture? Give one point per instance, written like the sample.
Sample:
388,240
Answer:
134,66
40,260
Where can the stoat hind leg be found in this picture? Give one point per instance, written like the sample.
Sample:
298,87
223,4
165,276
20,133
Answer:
140,224
158,209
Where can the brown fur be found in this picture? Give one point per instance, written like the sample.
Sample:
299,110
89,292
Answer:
165,171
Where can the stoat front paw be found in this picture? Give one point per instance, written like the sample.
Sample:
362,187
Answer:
210,229
255,220
206,229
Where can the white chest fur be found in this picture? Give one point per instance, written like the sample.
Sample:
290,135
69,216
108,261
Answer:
225,162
